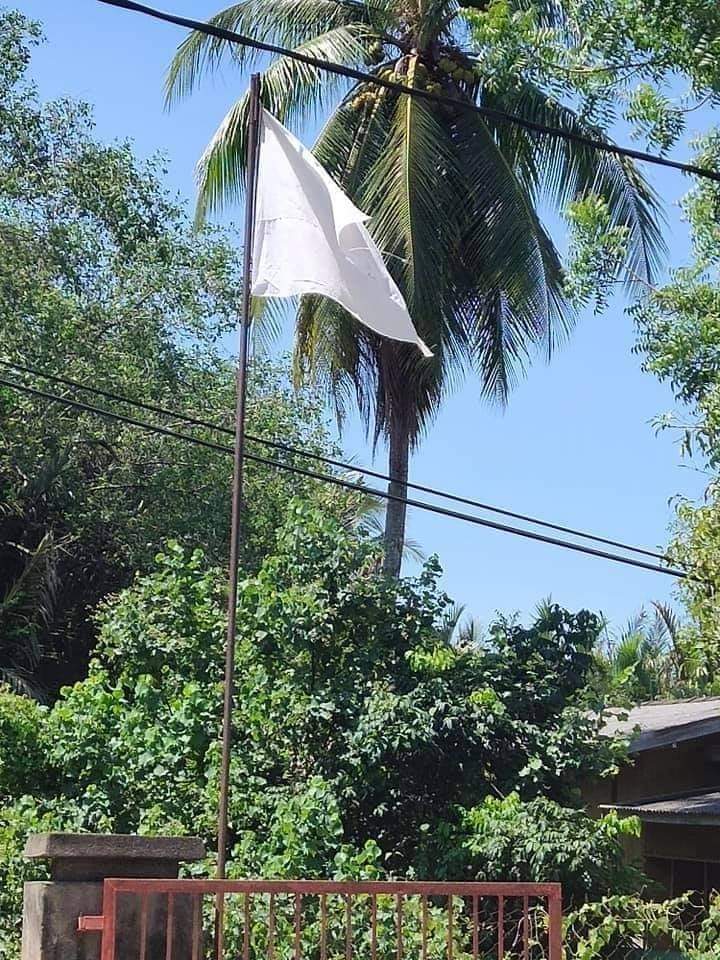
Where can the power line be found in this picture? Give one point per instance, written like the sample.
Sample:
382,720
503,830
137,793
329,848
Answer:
347,484
497,115
330,461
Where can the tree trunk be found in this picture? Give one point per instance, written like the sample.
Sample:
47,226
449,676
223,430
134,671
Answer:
396,511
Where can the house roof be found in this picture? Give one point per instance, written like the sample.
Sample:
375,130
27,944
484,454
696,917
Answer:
664,722
697,809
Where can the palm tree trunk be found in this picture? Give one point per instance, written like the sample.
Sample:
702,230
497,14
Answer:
396,511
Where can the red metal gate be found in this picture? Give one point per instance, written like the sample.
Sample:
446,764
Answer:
327,920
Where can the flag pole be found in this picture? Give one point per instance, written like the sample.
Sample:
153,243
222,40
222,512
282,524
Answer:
253,131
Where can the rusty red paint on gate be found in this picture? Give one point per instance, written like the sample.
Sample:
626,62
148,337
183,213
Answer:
487,921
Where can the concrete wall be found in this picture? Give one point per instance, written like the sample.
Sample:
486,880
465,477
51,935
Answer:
79,863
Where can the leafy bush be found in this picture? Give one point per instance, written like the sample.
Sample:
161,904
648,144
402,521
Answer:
23,748
365,744
506,839
621,927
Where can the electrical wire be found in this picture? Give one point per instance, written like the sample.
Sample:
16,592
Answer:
364,77
329,461
347,484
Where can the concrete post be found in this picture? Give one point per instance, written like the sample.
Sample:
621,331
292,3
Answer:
78,865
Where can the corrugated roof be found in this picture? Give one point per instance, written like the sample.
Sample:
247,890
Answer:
699,809
663,722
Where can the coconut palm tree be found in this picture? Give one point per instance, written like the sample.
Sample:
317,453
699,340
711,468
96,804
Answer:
457,630
453,198
647,658
26,605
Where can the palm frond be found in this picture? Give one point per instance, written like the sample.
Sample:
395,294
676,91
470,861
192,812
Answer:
354,137
628,653
287,23
291,91
512,288
449,621
333,350
268,317
567,170
459,631
413,191
668,620
409,185
28,602
396,159
31,595
635,626
544,609
470,633
374,525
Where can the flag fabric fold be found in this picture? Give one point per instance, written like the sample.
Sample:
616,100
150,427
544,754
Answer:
309,238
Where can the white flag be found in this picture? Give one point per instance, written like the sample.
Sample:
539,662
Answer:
310,238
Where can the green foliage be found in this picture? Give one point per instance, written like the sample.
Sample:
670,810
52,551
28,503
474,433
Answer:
23,758
679,331
135,741
655,116
430,937
647,659
614,58
365,743
507,839
681,37
27,609
628,925
17,821
19,35
104,280
305,837
598,248
509,39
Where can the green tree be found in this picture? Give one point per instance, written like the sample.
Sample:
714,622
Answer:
679,332
644,45
453,197
23,758
650,65
104,279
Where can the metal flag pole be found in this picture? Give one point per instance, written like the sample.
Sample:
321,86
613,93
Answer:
253,132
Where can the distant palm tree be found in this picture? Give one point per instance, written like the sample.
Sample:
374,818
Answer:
453,198
646,659
29,578
457,630
26,605
363,512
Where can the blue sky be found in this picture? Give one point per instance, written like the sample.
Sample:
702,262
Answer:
574,445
